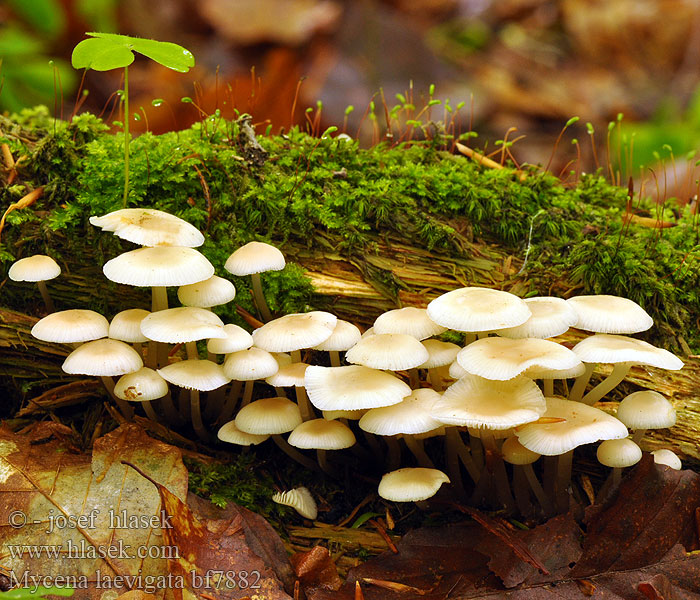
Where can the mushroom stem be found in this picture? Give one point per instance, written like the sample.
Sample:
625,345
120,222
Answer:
307,412
619,372
334,356
581,382
166,402
394,456
537,489
564,462
548,387
196,413
435,379
247,392
322,457
294,454
413,379
150,411
521,491
191,348
638,435
157,351
230,402
477,449
495,465
452,442
416,448
123,405
43,290
259,298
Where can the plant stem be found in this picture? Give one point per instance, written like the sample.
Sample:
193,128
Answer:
259,298
126,134
619,372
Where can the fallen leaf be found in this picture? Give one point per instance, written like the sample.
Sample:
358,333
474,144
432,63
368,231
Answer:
315,569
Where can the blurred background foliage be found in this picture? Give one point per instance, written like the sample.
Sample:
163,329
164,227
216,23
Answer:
523,64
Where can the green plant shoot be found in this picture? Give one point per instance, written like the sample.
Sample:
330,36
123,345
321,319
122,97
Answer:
107,51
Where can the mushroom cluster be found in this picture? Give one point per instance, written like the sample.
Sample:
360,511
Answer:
490,409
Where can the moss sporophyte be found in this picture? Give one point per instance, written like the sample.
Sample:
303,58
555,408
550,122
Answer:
107,51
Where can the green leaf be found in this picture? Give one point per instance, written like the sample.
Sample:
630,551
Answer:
169,55
101,55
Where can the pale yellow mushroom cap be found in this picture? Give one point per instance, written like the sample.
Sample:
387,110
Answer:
34,268
321,434
515,453
299,499
202,375
71,326
269,416
214,291
295,331
440,354
605,348
126,325
250,364
550,317
345,335
668,458
409,321
231,434
411,484
182,324
609,314
291,375
236,339
140,386
388,351
255,257
646,409
619,453
102,357
412,415
478,309
149,227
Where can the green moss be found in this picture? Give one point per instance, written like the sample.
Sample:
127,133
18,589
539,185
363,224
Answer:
330,195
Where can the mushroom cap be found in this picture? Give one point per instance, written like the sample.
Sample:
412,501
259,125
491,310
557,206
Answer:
321,434
583,424
456,371
605,348
231,434
300,499
440,354
71,326
515,453
668,458
34,268
389,351
550,317
236,339
140,386
255,257
345,335
609,314
158,267
295,331
473,401
269,416
201,375
504,358
350,415
182,324
149,227
478,309
409,321
352,388
126,326
646,409
102,358
250,364
291,375
618,453
411,484
412,415
205,294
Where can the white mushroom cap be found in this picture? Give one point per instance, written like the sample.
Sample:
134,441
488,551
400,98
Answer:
236,339
411,484
409,321
605,348
126,326
610,314
182,324
295,331
619,453
158,267
202,375
456,371
389,351
582,424
255,257
140,386
352,388
102,358
668,458
477,309
205,294
350,415
269,416
516,454
299,499
34,268
231,434
248,365
477,402
440,354
646,409
291,375
504,358
71,326
550,317
321,434
412,415
345,335
149,227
